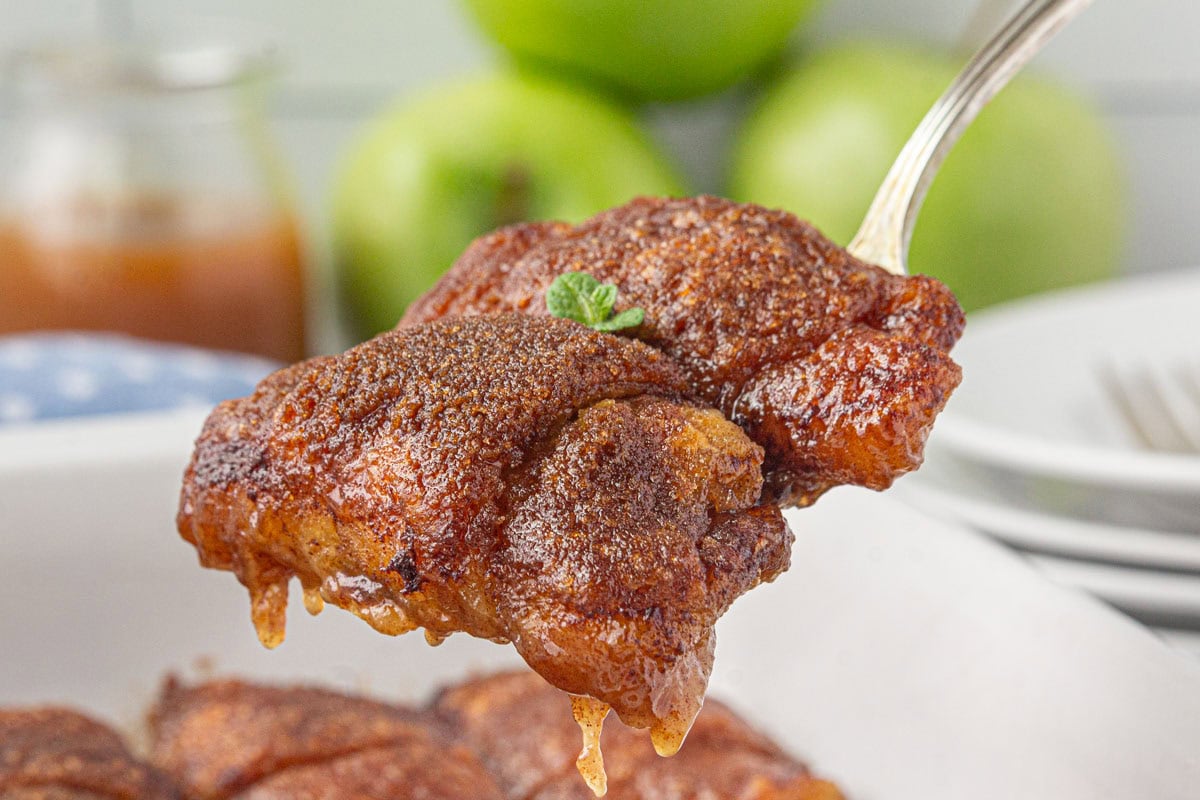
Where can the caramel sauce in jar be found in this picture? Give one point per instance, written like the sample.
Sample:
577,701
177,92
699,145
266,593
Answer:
197,270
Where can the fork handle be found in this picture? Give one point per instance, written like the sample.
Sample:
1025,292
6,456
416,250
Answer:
886,230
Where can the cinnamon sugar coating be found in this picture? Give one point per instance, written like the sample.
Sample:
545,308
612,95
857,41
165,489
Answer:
57,754
834,366
229,740
524,480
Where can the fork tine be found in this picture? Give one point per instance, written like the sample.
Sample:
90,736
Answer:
1149,410
1189,376
1166,386
1131,412
1187,404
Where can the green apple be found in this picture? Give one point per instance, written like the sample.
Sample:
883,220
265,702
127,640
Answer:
1030,199
426,178
653,50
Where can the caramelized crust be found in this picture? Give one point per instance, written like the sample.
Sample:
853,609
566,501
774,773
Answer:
630,544
236,740
56,754
520,479
770,321
505,737
49,793
515,723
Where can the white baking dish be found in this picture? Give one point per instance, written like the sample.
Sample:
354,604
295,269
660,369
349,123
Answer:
905,658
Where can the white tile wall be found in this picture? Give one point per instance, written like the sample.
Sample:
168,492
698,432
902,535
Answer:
344,60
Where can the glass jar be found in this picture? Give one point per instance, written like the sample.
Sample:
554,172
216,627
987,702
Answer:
140,192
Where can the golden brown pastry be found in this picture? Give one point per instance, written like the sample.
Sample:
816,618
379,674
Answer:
834,366
520,479
233,740
504,737
57,754
516,723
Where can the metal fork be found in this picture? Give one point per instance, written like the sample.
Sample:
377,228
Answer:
886,230
1160,405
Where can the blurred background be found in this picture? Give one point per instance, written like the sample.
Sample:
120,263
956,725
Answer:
1094,175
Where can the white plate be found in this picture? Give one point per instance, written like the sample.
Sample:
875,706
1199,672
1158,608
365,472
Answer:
1149,573
1143,592
943,488
1031,409
904,657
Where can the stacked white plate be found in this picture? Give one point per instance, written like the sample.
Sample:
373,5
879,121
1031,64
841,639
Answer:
1032,451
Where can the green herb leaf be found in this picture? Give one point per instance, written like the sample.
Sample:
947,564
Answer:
629,318
579,296
604,297
570,297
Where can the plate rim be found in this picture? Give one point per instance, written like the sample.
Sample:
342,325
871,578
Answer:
1179,595
1103,466
1016,451
1000,521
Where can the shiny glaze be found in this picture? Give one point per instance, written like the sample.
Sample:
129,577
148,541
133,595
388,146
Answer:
834,366
519,479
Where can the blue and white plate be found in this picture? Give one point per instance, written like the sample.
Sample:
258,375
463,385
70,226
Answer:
54,376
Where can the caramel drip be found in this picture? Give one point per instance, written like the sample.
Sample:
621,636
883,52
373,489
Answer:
667,735
268,611
590,713
434,638
313,601
385,617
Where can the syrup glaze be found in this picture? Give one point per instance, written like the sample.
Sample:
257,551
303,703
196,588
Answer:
518,479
